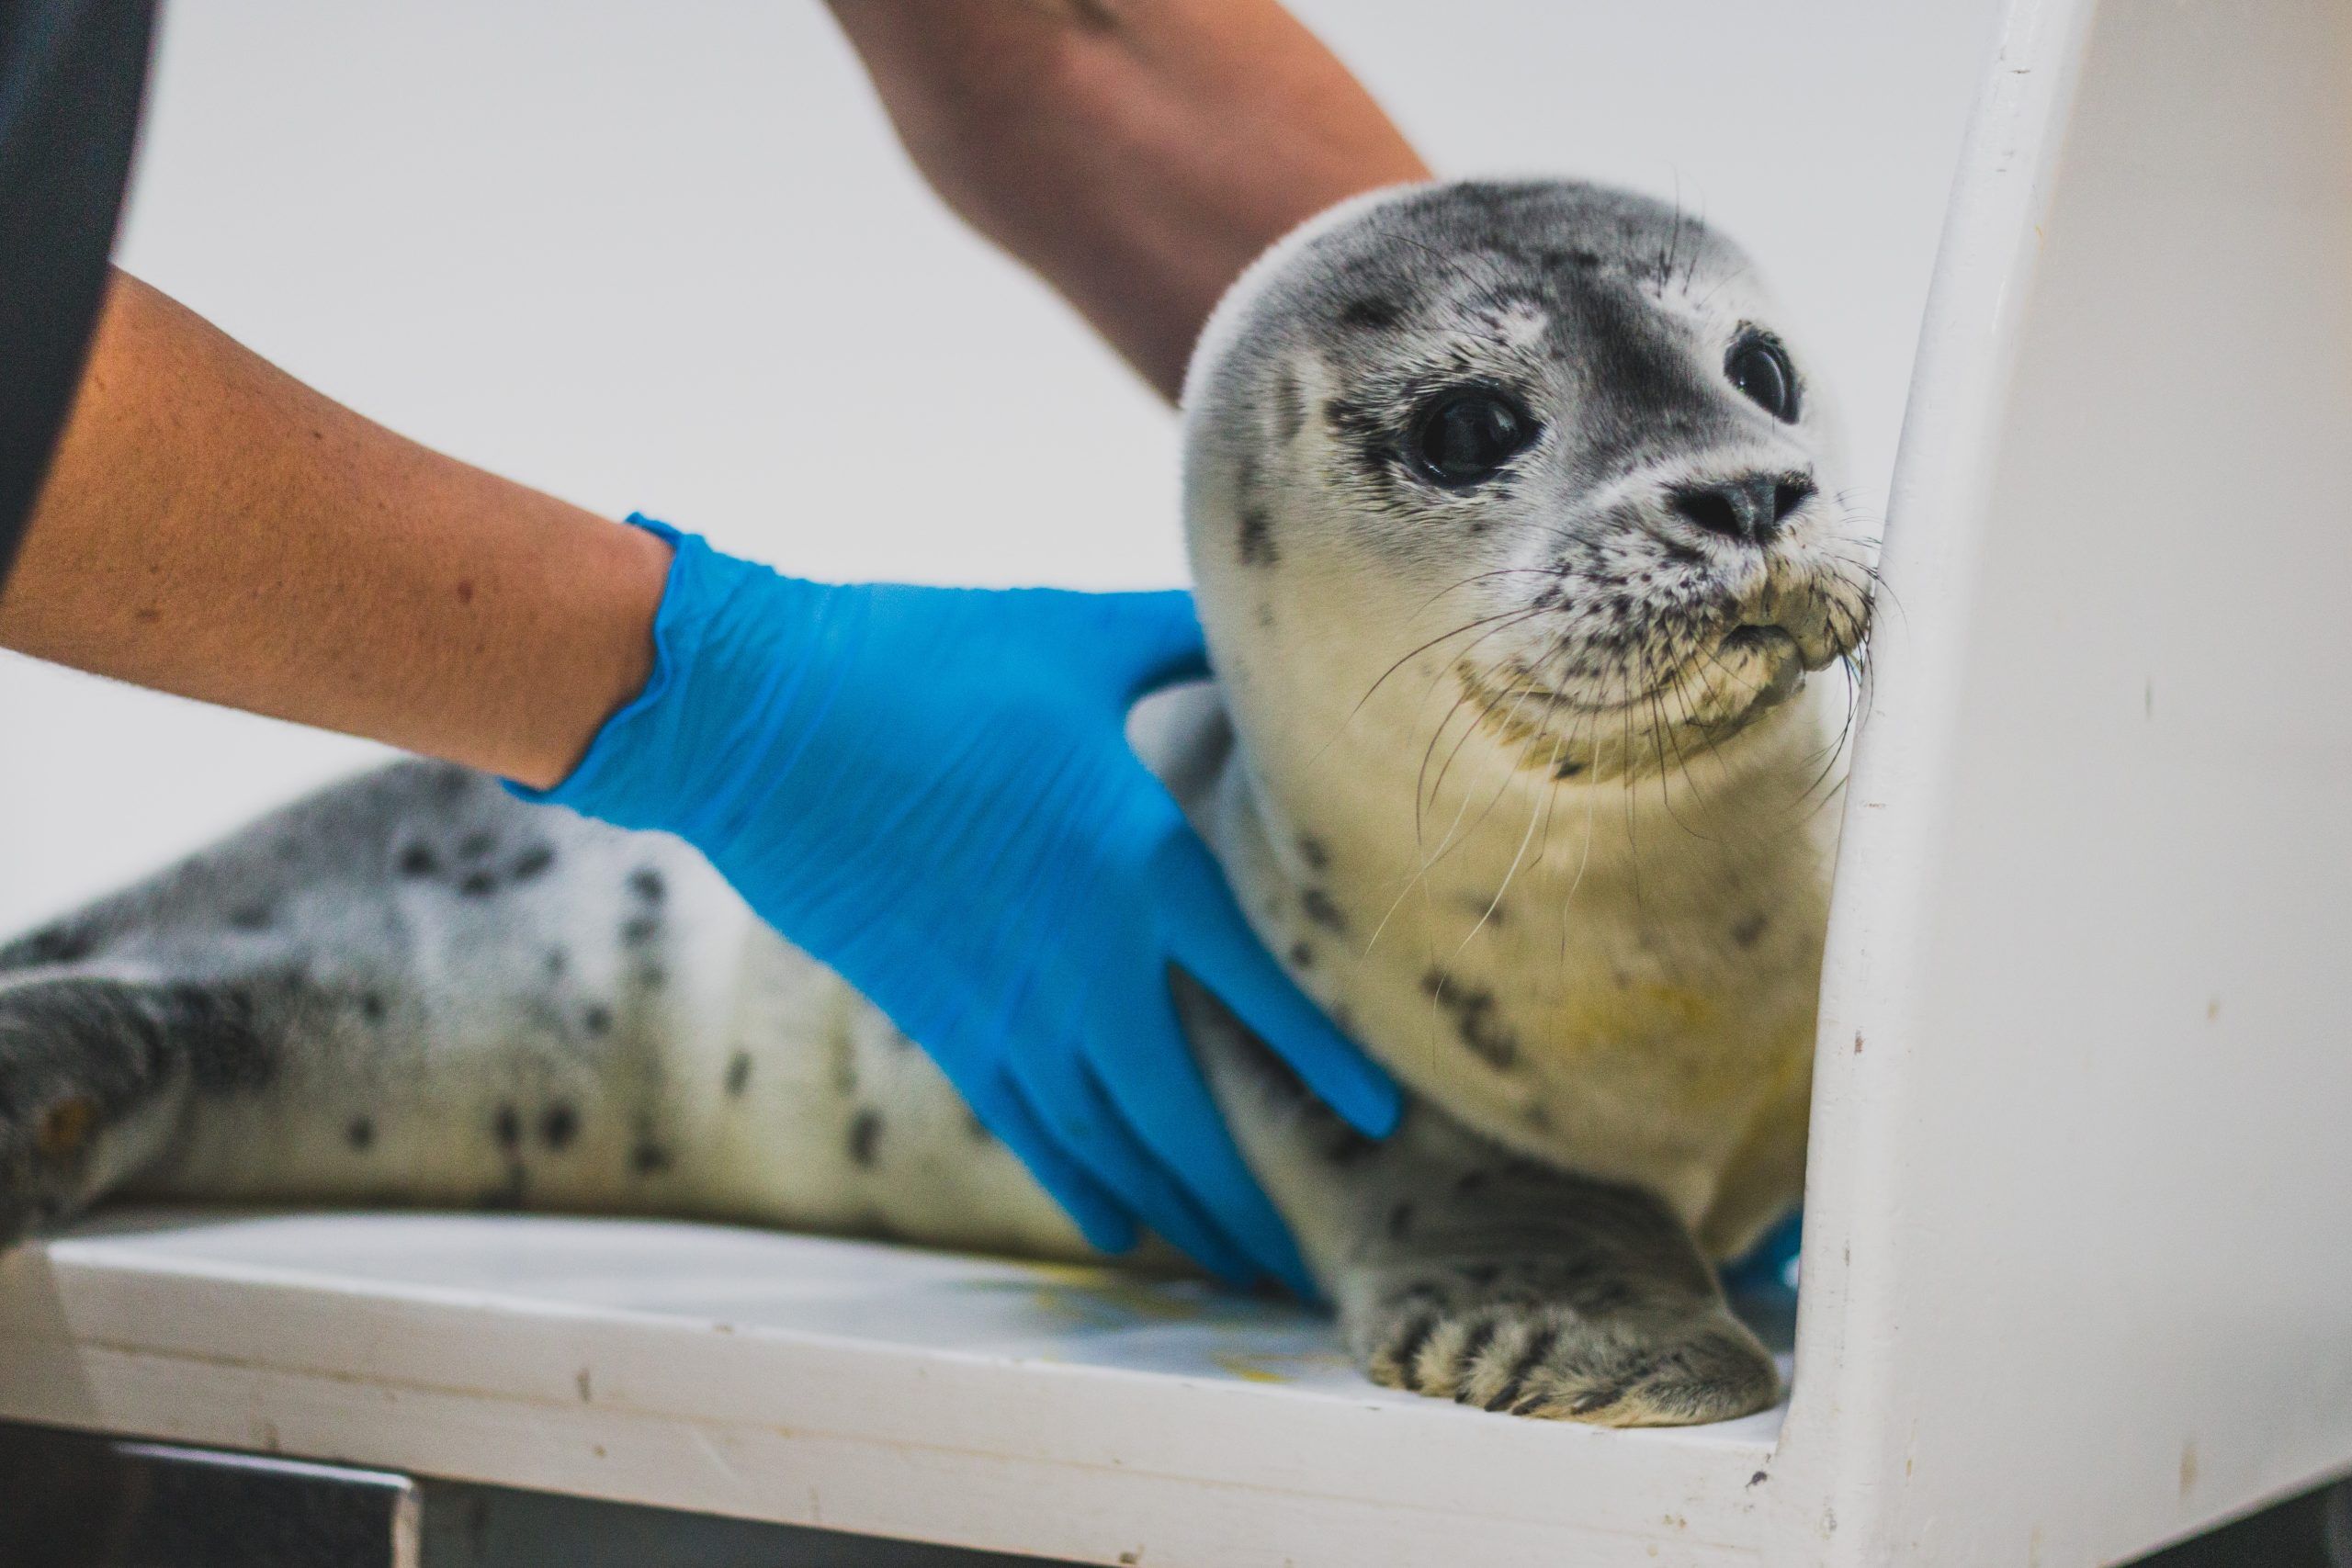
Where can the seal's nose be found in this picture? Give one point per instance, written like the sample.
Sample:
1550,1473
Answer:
1751,508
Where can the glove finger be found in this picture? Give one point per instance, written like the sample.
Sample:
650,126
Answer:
1157,637
1086,1124
1098,1213
1146,1066
1210,936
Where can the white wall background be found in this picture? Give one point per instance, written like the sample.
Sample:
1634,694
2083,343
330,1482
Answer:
669,256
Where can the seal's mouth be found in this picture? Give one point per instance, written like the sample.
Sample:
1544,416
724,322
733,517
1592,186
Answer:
1715,691
1767,666
1761,665
1776,642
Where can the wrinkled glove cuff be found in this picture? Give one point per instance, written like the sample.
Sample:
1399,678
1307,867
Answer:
604,783
731,655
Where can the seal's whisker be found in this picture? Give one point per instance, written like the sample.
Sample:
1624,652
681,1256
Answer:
1523,612
1734,276
1455,832
1834,751
1422,804
1507,617
1426,858
1477,577
1539,810
1690,721
1423,854
1584,861
1485,714
1483,678
1868,570
1633,832
1463,654
1660,738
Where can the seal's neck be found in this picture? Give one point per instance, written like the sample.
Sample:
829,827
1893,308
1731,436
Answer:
1369,859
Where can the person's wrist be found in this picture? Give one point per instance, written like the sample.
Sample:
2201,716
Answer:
642,559
727,637
627,569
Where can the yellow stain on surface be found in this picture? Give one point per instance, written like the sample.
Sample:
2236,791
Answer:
1249,1369
1263,1366
1133,1300
1100,1299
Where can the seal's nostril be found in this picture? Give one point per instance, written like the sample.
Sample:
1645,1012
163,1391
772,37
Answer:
1712,510
1792,491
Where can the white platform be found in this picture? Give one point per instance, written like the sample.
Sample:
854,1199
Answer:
1063,1412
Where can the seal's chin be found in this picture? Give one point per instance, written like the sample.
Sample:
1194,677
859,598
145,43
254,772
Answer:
1753,670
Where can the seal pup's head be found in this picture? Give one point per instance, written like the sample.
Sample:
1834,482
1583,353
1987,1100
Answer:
1538,457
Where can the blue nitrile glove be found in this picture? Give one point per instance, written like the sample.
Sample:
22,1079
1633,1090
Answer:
930,790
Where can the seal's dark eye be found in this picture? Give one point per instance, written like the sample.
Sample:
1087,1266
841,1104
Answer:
1759,368
1463,437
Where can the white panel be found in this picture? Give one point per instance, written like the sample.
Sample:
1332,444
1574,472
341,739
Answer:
2081,1275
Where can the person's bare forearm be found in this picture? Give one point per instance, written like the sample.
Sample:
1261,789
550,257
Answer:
1135,153
213,527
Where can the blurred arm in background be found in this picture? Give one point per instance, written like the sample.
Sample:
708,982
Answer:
1137,156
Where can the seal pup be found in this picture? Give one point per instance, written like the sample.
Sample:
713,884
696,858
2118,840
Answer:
1517,531
1512,515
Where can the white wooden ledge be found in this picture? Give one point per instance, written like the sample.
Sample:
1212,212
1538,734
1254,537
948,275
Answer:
1061,1412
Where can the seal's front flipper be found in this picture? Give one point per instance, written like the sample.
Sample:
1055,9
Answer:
1463,1271
1541,1294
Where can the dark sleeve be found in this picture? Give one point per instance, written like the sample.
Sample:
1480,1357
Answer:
72,72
